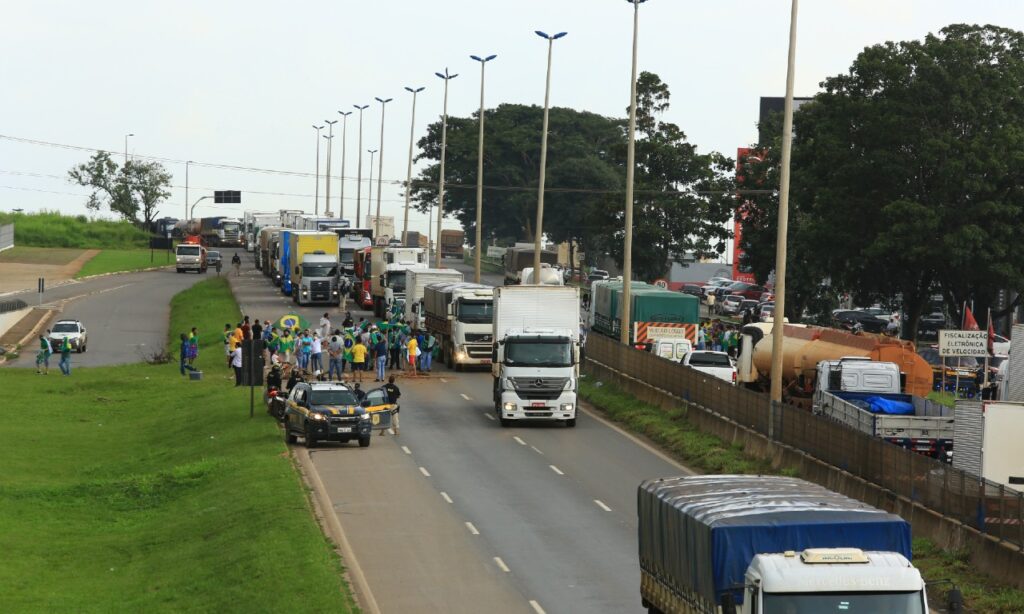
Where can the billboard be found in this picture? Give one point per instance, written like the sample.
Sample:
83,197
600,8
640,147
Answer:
740,272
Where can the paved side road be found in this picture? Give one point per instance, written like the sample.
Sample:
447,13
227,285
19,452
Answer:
126,315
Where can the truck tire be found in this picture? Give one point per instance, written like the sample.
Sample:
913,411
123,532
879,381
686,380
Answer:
364,442
571,422
449,359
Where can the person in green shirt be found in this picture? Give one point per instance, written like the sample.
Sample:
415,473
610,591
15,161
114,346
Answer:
65,356
43,357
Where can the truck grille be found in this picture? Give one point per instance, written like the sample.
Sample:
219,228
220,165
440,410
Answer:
539,388
478,351
320,286
479,337
344,420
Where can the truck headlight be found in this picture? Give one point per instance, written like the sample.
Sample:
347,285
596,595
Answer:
460,355
509,406
304,293
335,293
566,406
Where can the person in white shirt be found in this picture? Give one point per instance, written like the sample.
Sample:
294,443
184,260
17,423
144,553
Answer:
236,363
316,356
325,326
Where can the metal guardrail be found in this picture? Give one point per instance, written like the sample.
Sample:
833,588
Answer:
986,506
12,305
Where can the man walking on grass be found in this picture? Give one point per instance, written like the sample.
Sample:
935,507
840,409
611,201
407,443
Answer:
65,356
43,357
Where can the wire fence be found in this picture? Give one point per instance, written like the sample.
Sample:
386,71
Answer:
987,506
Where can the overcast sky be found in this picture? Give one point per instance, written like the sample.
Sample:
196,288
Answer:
241,83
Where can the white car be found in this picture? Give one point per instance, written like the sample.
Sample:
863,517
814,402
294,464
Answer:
73,331
715,364
1000,345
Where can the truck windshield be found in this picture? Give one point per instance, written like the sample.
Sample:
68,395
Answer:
230,227
188,250
476,312
333,397
347,257
537,353
319,270
396,281
847,603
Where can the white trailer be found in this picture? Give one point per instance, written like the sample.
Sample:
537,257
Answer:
416,281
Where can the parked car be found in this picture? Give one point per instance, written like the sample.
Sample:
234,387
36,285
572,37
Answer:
326,411
597,275
712,286
730,305
849,320
692,289
767,297
931,324
750,291
72,330
747,304
767,312
715,364
213,258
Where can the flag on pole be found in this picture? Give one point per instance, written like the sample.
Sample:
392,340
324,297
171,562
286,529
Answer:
991,335
969,322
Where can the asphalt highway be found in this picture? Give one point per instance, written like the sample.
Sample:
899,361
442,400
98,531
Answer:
126,316
461,515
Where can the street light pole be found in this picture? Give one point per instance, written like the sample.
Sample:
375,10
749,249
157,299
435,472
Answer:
408,171
369,196
780,242
126,147
359,171
627,258
444,145
380,161
480,172
191,212
330,140
543,158
316,193
187,163
344,146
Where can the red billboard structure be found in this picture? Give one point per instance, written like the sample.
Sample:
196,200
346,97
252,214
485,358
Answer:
740,271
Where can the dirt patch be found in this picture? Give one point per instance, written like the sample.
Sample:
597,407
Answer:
20,270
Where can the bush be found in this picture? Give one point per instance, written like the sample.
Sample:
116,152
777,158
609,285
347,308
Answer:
51,229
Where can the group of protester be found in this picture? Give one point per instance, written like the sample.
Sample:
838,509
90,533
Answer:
46,350
718,336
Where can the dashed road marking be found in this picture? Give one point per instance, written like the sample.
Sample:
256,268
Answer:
444,381
406,450
601,505
556,470
445,496
463,395
534,448
519,441
472,529
536,607
489,416
501,564
424,471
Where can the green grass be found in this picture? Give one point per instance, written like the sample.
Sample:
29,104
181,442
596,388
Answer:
131,489
21,254
709,454
51,229
116,260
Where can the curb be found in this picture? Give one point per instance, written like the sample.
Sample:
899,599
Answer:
332,526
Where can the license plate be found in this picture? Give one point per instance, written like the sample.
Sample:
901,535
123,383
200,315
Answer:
344,429
536,404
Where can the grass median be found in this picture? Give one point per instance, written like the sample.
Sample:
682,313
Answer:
131,488
118,260
708,454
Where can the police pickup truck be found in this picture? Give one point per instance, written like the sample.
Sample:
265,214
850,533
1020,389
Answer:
326,411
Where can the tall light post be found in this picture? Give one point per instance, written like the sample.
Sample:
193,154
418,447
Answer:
627,258
380,161
480,172
444,145
359,171
126,147
330,139
316,193
408,170
344,146
369,197
187,163
780,242
538,241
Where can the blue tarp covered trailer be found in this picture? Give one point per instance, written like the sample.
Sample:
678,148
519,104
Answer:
699,534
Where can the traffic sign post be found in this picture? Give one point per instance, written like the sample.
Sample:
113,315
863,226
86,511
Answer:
961,343
42,287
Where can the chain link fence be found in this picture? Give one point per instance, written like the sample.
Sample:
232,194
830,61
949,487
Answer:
986,506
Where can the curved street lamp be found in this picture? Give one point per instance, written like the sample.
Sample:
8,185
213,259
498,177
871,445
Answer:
538,241
480,172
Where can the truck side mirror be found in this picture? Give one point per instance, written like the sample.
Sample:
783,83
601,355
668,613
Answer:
728,604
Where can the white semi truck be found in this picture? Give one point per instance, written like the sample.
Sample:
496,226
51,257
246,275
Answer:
535,357
416,281
461,316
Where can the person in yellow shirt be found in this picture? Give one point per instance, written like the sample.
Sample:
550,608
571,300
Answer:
414,353
359,352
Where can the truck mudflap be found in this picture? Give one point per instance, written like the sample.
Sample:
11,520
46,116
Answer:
657,593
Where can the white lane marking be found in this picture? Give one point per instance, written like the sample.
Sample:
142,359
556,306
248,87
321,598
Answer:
489,416
601,505
472,529
519,441
534,448
556,470
536,607
501,564
424,471
445,496
444,381
406,450
465,397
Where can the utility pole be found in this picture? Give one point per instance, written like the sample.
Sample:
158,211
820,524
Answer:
408,171
627,258
380,162
539,240
359,172
480,173
330,140
444,146
316,192
344,146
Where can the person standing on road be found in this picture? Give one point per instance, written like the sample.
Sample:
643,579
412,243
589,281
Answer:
414,352
334,359
246,328
428,351
287,345
359,352
43,357
325,326
380,356
347,322
394,394
236,364
236,263
65,356
395,348
316,357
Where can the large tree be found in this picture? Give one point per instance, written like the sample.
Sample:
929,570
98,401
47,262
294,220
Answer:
126,190
907,171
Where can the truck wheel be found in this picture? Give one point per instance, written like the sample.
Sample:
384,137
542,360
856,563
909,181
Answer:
289,436
364,442
179,269
571,422
449,360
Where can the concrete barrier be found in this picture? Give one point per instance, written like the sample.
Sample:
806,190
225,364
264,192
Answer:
999,560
